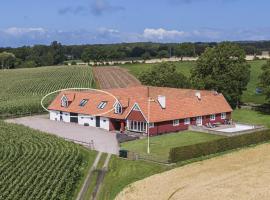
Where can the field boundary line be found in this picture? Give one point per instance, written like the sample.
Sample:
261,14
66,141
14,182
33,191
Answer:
88,178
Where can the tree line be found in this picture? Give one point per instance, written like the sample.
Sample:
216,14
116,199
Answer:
222,68
56,53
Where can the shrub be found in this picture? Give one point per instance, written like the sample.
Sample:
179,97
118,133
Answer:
224,144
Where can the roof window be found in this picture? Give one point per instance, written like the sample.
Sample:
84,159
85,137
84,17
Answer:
83,102
102,104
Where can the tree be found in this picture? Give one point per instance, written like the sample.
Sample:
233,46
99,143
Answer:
222,68
265,79
7,60
185,49
163,54
164,75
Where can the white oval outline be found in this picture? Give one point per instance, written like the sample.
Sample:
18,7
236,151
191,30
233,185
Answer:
60,90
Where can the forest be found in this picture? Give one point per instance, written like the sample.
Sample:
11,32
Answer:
56,53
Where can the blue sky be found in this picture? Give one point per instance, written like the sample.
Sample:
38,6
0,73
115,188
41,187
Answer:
31,22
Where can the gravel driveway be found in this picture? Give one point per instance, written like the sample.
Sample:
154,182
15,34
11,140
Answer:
103,140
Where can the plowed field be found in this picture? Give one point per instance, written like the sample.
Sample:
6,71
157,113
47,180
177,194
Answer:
114,77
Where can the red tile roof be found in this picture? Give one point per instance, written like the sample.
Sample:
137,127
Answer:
180,103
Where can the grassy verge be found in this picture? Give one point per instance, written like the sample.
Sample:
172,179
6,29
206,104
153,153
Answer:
90,157
252,117
123,172
160,145
95,176
250,95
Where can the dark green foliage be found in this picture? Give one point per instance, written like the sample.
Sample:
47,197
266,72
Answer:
216,146
164,75
223,68
56,53
265,79
34,165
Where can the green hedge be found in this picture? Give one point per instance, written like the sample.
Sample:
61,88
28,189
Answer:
224,144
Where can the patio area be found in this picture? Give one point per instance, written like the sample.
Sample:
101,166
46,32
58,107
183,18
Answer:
232,129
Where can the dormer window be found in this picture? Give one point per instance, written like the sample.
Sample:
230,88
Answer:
64,102
102,104
117,108
83,102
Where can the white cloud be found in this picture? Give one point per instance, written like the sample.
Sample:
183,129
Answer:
17,31
162,34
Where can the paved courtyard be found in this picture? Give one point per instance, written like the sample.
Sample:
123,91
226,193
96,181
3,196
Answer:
101,140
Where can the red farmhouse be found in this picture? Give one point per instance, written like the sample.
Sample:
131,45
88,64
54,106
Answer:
165,109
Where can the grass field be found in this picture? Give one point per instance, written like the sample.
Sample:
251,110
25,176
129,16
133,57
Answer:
249,95
160,145
22,89
252,117
35,165
123,172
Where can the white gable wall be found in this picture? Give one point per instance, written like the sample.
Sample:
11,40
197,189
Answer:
87,119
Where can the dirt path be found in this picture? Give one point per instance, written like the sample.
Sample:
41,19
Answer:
241,175
88,178
100,178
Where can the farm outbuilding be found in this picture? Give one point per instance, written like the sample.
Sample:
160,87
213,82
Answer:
135,108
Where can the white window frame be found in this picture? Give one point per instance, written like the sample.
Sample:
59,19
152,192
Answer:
117,108
151,125
187,121
83,102
102,104
176,122
223,115
64,102
212,117
136,107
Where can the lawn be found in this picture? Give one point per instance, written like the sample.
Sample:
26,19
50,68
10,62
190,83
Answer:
160,145
252,117
249,95
123,172
22,89
183,67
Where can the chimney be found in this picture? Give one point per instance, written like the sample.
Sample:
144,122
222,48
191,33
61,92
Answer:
198,95
162,101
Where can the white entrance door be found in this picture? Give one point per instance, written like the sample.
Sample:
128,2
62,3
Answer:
199,120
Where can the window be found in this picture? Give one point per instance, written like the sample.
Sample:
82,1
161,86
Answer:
151,125
102,104
187,121
136,107
118,108
212,117
223,115
83,102
64,102
176,122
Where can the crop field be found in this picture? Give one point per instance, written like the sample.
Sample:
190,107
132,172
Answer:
242,174
34,165
114,77
184,67
22,89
